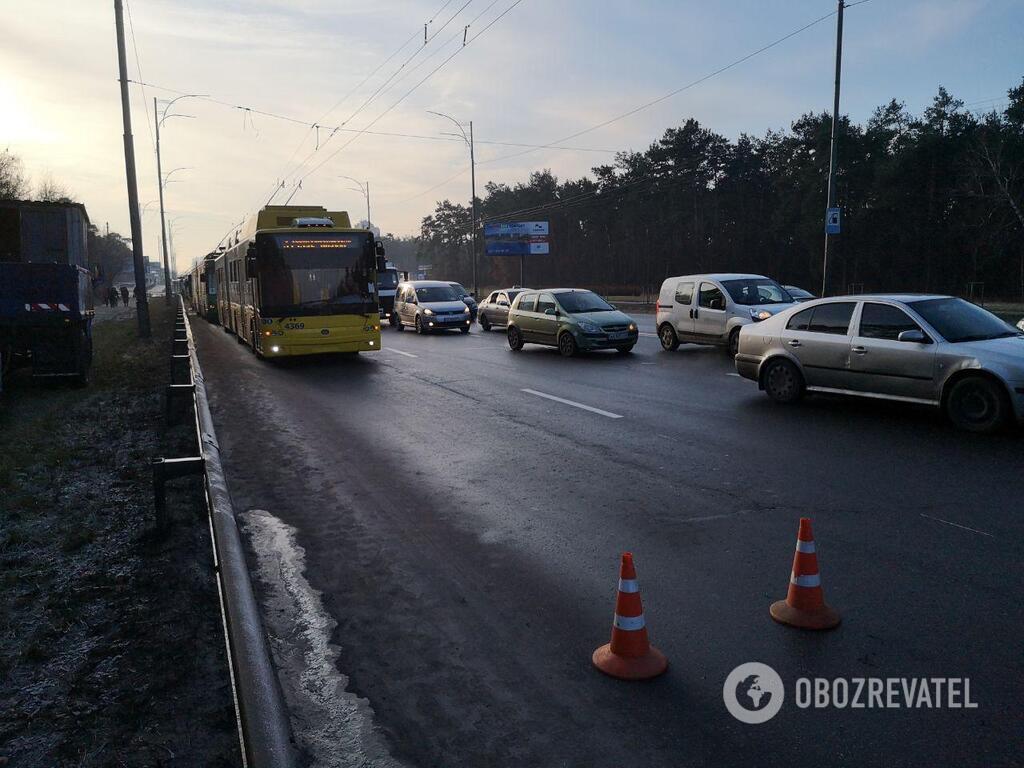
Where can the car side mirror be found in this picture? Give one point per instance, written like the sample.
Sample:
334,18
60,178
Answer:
914,337
502,303
551,311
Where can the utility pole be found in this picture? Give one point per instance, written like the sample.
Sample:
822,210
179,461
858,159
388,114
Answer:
472,176
141,303
832,151
163,224
364,188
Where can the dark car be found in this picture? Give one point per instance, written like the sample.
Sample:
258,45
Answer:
571,319
494,309
467,297
799,294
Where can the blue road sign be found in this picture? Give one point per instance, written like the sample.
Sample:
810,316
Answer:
832,226
514,229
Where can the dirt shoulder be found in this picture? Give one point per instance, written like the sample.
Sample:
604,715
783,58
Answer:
111,647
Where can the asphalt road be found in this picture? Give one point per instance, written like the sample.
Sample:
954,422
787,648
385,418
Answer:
465,534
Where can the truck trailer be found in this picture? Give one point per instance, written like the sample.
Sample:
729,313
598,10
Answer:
46,304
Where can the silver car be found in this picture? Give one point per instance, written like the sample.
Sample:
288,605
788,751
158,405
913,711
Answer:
935,350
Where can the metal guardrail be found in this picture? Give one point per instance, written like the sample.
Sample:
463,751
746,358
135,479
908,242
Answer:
264,728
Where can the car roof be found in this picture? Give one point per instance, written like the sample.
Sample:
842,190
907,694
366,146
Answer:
427,283
719,276
902,297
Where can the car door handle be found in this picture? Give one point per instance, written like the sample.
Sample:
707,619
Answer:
859,350
794,343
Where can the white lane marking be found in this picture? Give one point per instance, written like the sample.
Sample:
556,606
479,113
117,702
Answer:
573,403
399,352
733,374
652,335
957,525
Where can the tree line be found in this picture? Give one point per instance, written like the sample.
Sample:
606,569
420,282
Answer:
929,203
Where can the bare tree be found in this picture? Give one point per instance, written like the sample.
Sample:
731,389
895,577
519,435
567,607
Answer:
51,191
13,184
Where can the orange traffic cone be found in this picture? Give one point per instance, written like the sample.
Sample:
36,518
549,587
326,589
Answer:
804,605
629,656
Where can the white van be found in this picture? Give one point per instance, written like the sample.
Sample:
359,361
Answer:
711,309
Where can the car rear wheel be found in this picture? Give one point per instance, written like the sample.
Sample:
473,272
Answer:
567,344
669,340
977,404
734,342
783,382
515,338
485,324
395,322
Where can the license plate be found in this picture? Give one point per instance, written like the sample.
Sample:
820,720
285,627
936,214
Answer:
618,335
455,319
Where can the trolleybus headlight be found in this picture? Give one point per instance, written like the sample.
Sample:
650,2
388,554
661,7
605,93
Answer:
275,349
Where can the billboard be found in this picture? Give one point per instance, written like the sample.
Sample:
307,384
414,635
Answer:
517,238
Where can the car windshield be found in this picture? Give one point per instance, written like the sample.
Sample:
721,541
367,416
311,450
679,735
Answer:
750,292
578,302
430,293
459,290
958,320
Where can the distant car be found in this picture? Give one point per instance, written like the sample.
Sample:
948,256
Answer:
570,319
430,305
467,297
934,350
711,309
799,294
494,309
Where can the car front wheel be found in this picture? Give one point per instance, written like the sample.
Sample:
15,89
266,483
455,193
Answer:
734,342
515,338
669,340
976,404
783,382
419,325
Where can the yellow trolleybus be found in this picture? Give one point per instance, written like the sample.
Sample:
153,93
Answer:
297,280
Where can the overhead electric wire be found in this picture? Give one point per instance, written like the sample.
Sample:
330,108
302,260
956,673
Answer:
138,68
677,91
404,96
369,99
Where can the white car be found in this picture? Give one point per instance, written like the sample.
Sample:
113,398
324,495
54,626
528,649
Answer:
711,309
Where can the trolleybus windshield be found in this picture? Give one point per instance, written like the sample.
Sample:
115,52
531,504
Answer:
328,273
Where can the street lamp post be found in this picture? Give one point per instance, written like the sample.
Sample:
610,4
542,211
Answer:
472,176
363,187
159,119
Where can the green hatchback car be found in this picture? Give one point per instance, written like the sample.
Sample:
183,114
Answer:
571,319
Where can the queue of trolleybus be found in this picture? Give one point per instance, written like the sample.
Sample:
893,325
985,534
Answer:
301,280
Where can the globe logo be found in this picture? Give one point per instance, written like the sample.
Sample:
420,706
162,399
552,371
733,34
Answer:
753,693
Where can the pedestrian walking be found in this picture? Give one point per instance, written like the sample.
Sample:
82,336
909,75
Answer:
124,294
112,297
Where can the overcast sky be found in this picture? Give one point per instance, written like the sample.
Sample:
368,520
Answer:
545,70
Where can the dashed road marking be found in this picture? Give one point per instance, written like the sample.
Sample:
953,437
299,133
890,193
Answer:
573,403
652,335
399,352
957,525
733,374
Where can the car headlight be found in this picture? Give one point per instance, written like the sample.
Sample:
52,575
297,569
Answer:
466,309
760,314
632,326
428,312
588,327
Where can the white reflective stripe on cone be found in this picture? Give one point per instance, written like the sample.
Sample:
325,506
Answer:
628,623
807,547
629,585
809,580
